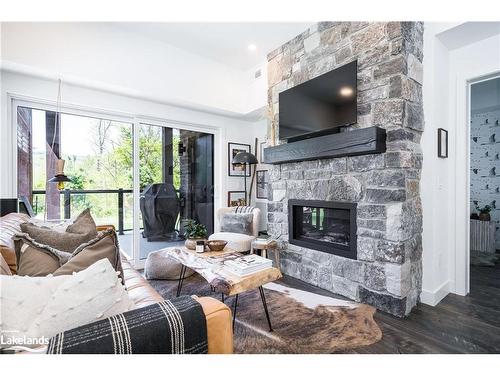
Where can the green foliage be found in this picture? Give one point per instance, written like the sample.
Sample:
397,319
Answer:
109,166
78,182
195,230
483,210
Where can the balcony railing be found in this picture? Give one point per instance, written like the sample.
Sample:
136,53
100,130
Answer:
67,193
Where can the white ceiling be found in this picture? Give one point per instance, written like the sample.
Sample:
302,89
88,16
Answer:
467,33
226,43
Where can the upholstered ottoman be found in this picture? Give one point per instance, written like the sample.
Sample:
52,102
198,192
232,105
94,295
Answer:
162,267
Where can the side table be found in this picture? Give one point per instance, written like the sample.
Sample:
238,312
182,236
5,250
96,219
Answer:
261,248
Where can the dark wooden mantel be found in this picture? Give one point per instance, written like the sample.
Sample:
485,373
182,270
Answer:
355,142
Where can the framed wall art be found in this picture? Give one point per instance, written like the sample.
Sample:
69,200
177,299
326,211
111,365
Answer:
442,143
262,184
232,150
236,198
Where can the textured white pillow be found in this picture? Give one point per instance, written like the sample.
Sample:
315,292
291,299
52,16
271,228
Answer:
21,300
33,307
87,296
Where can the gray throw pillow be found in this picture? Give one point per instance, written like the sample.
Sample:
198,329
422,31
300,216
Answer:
236,223
82,230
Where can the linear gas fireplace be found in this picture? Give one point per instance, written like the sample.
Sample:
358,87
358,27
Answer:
323,225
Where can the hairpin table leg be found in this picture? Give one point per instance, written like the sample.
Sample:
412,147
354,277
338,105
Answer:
181,279
234,309
263,297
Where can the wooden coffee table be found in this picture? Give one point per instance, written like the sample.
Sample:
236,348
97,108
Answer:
210,266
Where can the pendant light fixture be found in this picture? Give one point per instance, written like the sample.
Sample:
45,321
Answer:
60,178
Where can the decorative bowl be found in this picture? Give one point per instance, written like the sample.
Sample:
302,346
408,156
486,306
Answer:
216,245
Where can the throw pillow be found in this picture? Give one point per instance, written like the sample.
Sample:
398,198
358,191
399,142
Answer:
10,225
36,259
84,223
104,245
87,296
236,223
40,307
4,267
82,230
23,299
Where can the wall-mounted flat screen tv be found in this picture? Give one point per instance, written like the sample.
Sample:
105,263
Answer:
319,106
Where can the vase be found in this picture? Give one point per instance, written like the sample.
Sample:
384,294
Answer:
191,243
484,216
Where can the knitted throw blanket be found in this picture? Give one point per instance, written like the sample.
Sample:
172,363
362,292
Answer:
175,326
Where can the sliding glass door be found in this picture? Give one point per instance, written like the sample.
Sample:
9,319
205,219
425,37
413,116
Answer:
114,165
176,184
98,156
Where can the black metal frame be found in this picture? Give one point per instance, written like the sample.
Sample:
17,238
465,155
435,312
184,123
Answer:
230,158
442,133
67,201
264,172
234,191
295,221
182,276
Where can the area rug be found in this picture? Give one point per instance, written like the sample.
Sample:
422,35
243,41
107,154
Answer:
303,322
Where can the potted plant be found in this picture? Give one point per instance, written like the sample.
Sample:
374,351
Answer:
484,212
194,232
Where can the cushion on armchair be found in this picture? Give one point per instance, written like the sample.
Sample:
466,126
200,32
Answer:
236,223
235,241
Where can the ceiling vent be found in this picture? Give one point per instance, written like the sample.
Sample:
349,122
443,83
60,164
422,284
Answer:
258,73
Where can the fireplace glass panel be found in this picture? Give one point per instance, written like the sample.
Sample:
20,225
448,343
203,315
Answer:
330,225
323,225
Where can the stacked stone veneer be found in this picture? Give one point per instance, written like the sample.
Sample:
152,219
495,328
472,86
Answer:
388,271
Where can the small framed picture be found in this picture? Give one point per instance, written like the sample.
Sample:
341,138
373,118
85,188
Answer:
232,150
236,198
262,184
262,146
442,143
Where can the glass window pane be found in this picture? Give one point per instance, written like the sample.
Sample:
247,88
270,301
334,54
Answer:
98,156
176,184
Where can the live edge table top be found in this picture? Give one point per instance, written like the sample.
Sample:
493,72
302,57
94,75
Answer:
206,265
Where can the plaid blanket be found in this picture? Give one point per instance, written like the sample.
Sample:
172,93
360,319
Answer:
175,326
243,209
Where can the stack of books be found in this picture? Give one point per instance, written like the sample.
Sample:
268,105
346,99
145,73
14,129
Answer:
248,264
263,239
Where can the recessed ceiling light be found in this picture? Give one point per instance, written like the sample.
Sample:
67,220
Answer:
252,47
346,91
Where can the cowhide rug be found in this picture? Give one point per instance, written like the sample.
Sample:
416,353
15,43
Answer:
303,322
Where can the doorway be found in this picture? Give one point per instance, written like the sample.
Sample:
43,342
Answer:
484,185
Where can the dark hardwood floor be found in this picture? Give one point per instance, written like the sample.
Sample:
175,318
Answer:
457,324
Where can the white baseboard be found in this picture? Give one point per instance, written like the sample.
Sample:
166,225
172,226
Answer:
432,298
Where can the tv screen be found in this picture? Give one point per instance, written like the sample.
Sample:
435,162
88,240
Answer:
319,106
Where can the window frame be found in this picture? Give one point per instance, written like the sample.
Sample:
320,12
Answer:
135,120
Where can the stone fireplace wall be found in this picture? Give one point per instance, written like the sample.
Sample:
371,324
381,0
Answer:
388,271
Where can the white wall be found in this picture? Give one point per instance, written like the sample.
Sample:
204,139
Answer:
434,170
444,184
99,55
